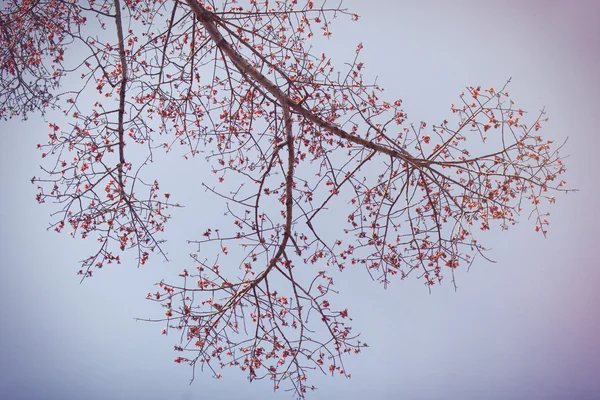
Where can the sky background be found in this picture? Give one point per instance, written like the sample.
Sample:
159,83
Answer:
526,327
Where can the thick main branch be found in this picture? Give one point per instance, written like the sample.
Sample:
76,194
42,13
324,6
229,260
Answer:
122,92
207,19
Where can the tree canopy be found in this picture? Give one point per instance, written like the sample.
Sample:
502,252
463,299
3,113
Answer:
317,170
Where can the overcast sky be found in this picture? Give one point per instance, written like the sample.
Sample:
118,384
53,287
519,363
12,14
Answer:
526,327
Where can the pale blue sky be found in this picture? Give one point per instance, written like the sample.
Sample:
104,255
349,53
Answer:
526,327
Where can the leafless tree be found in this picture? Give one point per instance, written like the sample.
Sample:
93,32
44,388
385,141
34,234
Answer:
294,144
